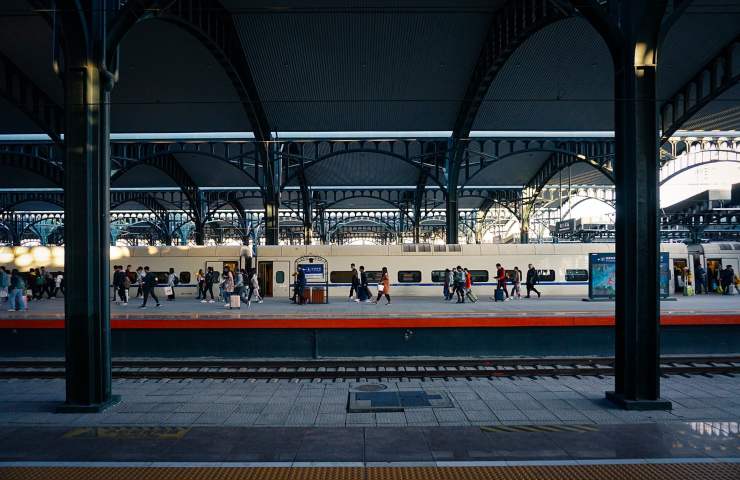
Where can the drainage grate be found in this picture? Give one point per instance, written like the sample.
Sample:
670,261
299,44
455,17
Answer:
540,428
370,387
396,401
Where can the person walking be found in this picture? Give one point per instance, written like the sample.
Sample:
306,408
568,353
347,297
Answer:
211,278
384,287
59,281
228,286
172,281
48,283
16,292
354,283
239,282
516,281
38,283
459,282
300,281
200,281
139,282
450,272
701,280
4,284
468,280
501,280
254,288
531,281
446,287
363,291
114,283
149,284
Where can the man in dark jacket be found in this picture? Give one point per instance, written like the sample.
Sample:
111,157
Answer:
532,281
355,283
150,282
300,282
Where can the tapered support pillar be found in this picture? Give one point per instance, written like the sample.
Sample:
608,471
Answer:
200,233
272,221
86,217
637,333
307,233
452,216
524,224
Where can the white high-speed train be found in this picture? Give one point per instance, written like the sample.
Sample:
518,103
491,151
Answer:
415,270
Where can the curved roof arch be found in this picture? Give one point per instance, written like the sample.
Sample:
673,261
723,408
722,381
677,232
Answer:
170,82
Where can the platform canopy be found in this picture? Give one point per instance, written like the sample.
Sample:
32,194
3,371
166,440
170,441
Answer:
347,70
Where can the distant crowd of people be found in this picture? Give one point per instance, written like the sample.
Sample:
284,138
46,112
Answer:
17,289
242,284
458,283
719,280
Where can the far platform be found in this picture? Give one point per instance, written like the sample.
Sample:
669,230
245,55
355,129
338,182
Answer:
410,326
403,312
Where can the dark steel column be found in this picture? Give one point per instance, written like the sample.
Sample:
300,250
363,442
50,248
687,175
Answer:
452,215
86,216
637,348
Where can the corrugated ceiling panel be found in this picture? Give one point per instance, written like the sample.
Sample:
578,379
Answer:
559,79
375,71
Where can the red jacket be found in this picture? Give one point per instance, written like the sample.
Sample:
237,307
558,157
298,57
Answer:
501,274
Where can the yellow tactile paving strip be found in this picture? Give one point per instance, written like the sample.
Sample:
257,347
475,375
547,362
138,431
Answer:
709,471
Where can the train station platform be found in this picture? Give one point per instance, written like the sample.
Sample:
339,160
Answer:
410,326
500,428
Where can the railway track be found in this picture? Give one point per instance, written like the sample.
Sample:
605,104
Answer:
373,368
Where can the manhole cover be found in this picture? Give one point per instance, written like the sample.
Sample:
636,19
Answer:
396,401
370,387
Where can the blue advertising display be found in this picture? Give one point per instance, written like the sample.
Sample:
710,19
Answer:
665,275
602,275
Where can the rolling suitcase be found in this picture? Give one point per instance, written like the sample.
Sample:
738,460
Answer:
235,301
470,295
498,295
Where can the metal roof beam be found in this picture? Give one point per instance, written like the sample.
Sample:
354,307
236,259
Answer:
18,89
712,80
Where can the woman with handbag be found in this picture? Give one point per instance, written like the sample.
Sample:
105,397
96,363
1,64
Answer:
171,281
384,287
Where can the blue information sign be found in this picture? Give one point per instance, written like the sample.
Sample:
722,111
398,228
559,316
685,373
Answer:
313,269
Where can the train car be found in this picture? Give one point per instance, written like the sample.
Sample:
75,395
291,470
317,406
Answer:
186,260
418,270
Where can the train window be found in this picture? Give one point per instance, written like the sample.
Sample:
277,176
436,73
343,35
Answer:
546,275
161,276
576,275
280,276
341,276
438,276
478,276
374,276
184,277
409,276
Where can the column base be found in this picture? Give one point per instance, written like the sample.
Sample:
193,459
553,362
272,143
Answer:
93,408
627,404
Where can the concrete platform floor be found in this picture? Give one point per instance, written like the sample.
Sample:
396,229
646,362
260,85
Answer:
502,428
481,402
420,307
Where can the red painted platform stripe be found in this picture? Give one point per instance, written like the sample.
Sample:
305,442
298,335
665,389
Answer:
367,322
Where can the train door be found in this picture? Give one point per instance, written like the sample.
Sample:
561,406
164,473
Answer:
714,265
264,276
679,276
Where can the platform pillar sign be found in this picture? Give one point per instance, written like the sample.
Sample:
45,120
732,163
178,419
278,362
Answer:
87,207
316,270
602,276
